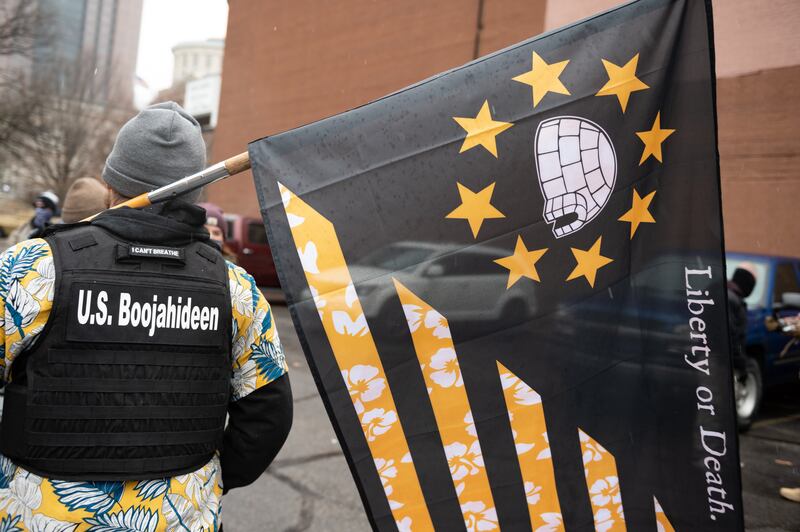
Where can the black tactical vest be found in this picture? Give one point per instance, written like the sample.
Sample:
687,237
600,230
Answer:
130,378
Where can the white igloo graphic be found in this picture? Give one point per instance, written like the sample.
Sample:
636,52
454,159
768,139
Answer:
577,169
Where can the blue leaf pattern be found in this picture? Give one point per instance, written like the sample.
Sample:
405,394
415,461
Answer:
21,307
16,263
7,470
134,519
151,489
9,524
254,291
267,323
98,497
269,359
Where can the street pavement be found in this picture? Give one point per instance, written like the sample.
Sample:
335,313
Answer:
770,458
309,486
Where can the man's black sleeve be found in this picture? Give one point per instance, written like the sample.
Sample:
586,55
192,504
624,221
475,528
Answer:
257,428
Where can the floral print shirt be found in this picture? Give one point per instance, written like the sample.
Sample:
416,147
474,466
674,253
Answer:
188,503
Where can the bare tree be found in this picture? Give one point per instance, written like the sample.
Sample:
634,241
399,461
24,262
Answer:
75,126
23,27
22,24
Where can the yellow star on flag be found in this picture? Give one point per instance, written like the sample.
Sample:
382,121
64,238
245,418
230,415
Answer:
639,213
475,207
543,78
522,263
622,81
589,262
481,130
652,140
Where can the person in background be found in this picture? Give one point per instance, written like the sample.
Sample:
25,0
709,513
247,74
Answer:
128,343
215,225
46,206
740,286
87,196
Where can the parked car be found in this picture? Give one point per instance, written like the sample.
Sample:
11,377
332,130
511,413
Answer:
475,284
247,238
773,356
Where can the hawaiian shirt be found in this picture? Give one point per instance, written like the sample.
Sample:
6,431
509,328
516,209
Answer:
190,502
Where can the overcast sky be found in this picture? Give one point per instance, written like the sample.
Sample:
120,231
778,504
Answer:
165,23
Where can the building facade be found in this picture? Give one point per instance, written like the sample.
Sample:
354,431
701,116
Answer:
287,64
100,37
197,59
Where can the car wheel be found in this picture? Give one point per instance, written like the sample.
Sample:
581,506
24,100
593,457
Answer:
748,388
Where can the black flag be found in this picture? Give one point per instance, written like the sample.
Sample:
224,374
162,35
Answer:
509,282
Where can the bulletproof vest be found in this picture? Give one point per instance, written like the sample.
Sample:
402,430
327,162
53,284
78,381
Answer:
129,380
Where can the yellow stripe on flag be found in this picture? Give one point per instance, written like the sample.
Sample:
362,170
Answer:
602,481
433,344
526,414
662,523
357,357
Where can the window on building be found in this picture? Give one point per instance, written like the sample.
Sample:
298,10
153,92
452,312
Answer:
204,120
256,233
785,280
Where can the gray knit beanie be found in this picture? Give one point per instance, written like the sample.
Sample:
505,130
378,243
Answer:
160,145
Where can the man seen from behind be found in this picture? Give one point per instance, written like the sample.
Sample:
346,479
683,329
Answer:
126,342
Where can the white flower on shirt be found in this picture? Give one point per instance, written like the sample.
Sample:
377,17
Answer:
244,379
241,299
23,496
42,287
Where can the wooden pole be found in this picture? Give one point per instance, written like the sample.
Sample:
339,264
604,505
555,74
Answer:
228,167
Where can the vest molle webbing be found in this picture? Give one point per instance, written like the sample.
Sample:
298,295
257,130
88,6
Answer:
130,378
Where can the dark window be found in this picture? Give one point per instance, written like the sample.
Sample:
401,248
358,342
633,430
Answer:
480,264
396,257
203,120
256,234
229,229
785,281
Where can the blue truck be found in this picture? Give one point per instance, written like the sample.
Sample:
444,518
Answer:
773,354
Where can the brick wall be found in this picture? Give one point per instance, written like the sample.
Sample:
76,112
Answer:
290,63
759,156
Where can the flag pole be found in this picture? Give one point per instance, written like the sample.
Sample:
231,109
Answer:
228,167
